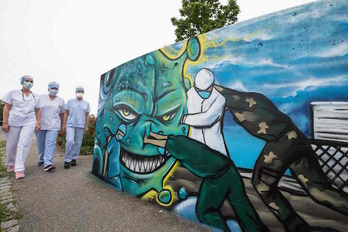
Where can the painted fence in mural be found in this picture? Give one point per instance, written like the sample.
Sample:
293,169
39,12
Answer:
219,128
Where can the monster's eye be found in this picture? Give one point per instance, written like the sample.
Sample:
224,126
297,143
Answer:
127,113
167,117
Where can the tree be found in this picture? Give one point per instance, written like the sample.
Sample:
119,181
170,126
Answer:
201,16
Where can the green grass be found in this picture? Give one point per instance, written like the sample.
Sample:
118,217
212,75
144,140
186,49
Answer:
5,214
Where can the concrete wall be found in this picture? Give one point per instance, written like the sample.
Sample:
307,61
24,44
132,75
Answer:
213,127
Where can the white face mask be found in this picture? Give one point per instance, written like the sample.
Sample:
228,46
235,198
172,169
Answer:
79,95
53,92
27,85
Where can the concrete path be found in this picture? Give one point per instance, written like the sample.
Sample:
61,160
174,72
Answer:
75,200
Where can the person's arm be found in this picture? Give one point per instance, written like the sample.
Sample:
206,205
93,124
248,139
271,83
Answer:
209,117
61,115
5,115
66,114
87,121
38,118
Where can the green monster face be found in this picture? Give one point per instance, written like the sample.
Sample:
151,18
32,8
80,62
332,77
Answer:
143,95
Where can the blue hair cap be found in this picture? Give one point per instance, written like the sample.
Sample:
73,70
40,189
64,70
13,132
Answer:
24,78
79,88
53,84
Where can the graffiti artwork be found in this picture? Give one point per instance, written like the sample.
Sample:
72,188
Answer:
244,128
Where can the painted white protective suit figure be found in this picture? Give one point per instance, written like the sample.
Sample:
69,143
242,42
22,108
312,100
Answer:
206,107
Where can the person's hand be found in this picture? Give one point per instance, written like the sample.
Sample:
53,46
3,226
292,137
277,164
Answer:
38,127
61,133
5,127
86,129
64,128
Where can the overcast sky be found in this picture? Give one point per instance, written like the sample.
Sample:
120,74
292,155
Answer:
75,41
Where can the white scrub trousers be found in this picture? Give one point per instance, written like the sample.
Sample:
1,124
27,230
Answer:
46,145
74,138
18,141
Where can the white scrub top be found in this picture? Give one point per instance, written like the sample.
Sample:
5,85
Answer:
77,113
22,112
205,118
50,112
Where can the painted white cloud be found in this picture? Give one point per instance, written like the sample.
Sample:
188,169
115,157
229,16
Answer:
311,82
246,61
263,36
238,85
336,50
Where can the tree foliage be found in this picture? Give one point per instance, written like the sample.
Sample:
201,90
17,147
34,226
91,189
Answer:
201,16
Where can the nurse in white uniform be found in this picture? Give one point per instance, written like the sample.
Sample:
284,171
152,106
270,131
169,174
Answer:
76,118
206,107
52,112
21,118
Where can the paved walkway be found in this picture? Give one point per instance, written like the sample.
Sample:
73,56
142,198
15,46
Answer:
75,200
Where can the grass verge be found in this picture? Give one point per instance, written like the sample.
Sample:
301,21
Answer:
5,211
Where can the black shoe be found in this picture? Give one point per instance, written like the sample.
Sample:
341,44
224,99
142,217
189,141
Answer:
39,164
66,165
49,168
73,162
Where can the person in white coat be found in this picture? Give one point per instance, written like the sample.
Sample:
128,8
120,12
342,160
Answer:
76,119
21,118
206,107
52,111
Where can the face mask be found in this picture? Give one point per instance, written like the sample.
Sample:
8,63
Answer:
79,95
204,94
27,85
53,92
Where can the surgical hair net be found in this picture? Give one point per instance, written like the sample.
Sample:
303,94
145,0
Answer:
79,88
53,84
25,77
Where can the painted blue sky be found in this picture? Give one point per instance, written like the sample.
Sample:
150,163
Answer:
294,57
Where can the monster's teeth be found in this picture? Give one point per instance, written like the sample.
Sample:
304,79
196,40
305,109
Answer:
142,169
128,160
137,166
158,162
131,166
147,165
153,164
140,166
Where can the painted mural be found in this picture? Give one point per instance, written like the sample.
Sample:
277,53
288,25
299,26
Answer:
244,128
